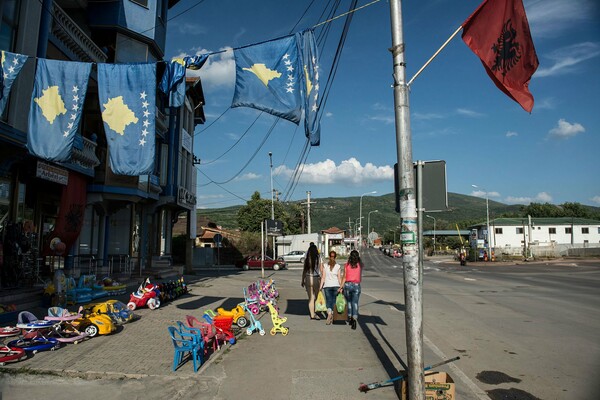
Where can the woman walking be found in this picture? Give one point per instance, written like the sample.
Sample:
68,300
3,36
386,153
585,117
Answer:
331,283
311,281
351,285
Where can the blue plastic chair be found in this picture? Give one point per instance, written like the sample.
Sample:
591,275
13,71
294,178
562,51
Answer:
185,343
195,333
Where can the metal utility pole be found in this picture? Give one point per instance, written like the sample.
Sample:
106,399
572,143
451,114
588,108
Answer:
308,203
413,286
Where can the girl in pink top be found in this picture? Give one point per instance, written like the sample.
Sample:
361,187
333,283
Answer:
351,285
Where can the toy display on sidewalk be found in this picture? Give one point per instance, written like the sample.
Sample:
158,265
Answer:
63,330
255,325
94,324
34,334
11,354
278,321
147,294
238,313
116,310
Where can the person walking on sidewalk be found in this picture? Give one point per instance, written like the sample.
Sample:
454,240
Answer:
331,282
311,277
351,285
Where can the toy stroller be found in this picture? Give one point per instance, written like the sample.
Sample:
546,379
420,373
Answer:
277,321
254,325
251,303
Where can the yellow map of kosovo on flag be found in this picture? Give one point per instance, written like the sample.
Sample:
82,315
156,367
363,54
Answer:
117,115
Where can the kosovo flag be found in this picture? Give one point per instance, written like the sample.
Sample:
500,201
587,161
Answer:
310,65
173,80
268,77
56,105
11,65
127,94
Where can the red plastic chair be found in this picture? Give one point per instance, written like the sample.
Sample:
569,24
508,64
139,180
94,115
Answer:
208,331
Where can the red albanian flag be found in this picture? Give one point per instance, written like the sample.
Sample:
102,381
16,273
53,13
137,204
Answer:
498,32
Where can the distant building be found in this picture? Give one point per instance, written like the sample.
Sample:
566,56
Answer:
541,237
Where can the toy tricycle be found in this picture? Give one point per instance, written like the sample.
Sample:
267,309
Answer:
147,294
237,313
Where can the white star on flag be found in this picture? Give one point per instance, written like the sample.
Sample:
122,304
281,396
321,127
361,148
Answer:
142,141
143,96
75,89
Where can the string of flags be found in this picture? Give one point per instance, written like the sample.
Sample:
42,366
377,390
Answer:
279,77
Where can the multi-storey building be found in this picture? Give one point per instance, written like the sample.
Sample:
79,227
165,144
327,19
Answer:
128,220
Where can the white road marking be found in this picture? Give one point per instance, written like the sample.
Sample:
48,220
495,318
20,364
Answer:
457,372
469,279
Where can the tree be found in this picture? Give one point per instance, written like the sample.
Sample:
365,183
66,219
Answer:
256,210
574,210
253,213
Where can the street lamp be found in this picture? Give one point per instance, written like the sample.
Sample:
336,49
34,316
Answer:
433,218
369,224
487,212
360,219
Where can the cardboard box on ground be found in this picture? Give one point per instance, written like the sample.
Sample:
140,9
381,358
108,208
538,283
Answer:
438,386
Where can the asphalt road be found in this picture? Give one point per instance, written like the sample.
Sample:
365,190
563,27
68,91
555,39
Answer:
527,331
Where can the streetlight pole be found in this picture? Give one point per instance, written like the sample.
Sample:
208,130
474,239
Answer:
487,213
433,218
360,218
369,224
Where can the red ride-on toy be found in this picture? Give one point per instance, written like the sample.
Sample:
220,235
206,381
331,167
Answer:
147,294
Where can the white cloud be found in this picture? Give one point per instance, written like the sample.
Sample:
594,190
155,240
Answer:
210,196
218,71
347,172
469,113
565,130
545,104
250,176
596,199
426,116
189,28
329,114
511,134
482,193
566,59
542,197
233,136
550,18
386,119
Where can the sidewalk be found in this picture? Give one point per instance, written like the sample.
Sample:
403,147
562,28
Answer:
314,360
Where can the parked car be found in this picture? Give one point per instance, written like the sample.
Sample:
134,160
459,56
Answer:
294,256
253,262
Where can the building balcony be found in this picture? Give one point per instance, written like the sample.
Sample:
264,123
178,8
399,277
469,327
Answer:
73,38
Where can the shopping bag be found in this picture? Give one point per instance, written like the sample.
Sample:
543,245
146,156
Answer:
320,305
340,303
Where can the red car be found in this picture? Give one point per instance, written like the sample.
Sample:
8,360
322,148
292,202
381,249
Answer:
253,262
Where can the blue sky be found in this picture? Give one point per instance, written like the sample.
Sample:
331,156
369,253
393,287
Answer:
457,114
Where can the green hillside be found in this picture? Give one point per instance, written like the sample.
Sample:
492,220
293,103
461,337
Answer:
341,212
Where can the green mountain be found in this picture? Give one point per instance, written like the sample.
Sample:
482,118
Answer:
344,213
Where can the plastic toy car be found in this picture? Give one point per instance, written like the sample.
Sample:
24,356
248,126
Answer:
237,313
94,324
115,309
147,294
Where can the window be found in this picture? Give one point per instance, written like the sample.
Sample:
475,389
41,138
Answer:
143,3
498,231
552,231
8,24
568,231
519,231
585,231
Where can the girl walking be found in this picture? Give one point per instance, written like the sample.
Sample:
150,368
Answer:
351,285
331,283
